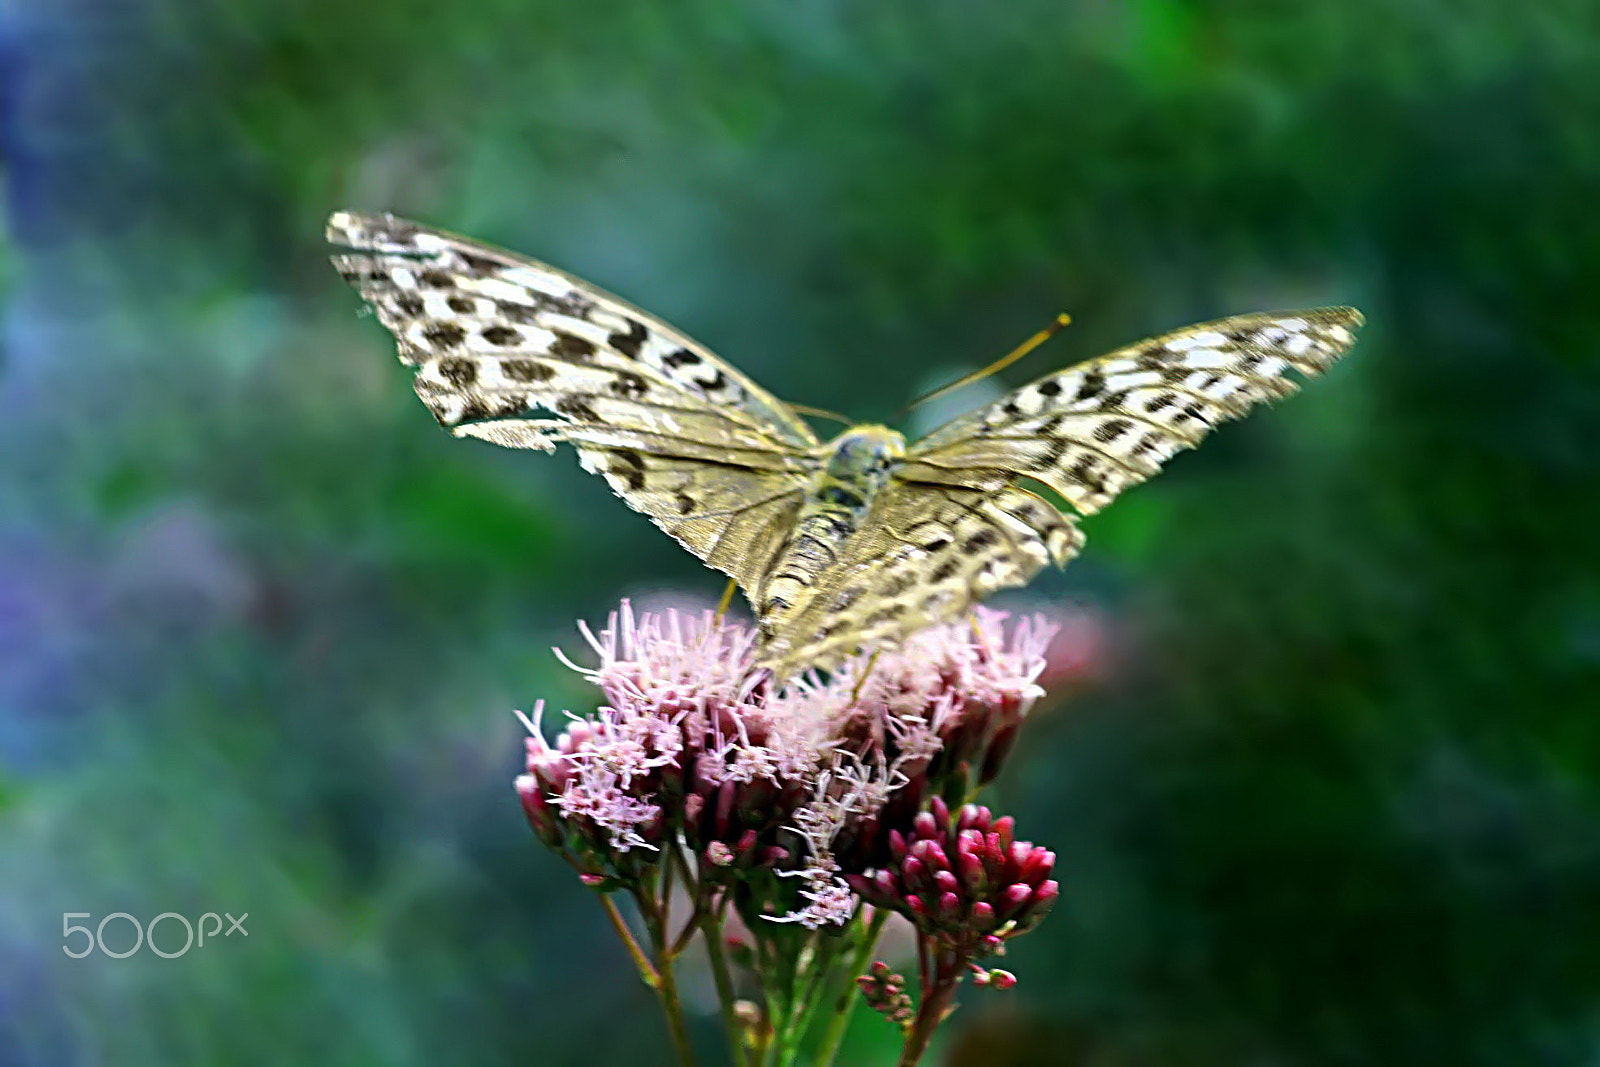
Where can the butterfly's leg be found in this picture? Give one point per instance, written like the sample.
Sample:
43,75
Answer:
866,672
727,598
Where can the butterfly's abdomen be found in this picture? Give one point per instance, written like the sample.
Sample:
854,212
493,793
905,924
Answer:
836,504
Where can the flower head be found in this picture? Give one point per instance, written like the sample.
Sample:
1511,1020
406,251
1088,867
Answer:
967,882
693,745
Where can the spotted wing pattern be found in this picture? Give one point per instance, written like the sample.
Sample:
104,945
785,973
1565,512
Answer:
954,524
1093,430
925,554
496,338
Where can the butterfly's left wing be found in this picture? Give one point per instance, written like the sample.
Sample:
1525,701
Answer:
710,457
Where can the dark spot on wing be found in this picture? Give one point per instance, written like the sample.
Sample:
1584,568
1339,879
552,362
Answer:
1084,473
569,346
1159,401
475,409
685,503
408,305
629,384
458,372
437,279
936,544
577,408
981,539
461,305
718,380
629,466
1049,388
1053,451
526,370
1093,384
943,572
681,358
629,343
479,265
1110,430
502,335
444,335
897,585
523,313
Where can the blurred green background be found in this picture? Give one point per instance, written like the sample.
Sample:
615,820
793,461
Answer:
1335,796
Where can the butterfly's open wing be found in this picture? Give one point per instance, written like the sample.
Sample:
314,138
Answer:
953,525
1093,430
494,337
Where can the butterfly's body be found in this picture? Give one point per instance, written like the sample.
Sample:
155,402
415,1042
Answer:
853,544
854,467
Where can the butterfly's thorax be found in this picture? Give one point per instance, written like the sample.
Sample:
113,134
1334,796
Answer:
856,466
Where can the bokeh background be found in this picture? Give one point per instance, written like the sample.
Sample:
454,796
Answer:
1325,774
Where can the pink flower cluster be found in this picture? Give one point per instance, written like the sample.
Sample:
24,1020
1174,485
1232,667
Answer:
967,881
801,795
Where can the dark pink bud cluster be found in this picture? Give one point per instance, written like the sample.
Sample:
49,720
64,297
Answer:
885,993
966,882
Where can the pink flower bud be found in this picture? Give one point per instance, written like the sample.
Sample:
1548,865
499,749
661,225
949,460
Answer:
1002,979
914,873
924,825
983,916
971,870
719,854
897,845
1039,864
946,881
1015,896
949,904
1006,827
592,880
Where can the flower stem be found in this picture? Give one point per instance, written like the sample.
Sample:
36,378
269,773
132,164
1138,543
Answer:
938,989
846,995
667,984
647,972
711,931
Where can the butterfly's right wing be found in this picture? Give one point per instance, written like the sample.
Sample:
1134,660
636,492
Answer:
1093,430
678,434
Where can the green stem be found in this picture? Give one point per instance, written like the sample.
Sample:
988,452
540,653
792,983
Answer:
846,995
711,931
810,981
667,988
647,971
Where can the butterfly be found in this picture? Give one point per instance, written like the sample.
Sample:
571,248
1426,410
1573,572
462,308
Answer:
839,546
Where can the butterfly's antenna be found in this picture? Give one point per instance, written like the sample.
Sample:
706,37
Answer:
807,409
727,598
998,365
